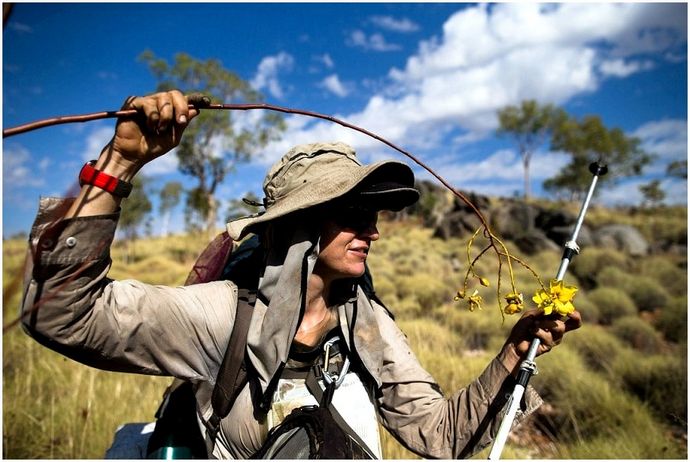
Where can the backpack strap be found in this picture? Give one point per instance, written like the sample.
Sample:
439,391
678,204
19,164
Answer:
325,400
232,375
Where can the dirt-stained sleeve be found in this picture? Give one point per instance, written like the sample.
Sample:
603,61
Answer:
415,410
71,306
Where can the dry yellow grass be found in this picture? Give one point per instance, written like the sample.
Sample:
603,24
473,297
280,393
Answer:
56,408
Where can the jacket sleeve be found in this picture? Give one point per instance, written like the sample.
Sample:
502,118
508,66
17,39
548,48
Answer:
71,306
415,410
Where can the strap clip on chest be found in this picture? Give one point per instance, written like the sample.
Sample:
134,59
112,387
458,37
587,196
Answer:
329,378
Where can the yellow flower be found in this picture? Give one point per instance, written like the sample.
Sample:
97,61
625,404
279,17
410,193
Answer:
514,305
559,298
484,282
458,296
475,301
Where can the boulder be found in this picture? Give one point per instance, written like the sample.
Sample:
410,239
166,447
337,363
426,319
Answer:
534,242
459,223
561,234
625,238
513,219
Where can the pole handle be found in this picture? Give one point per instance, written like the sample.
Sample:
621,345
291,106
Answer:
598,169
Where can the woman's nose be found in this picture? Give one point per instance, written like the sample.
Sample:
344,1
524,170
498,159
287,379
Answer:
371,232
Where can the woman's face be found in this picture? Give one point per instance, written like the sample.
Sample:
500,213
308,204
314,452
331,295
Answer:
346,237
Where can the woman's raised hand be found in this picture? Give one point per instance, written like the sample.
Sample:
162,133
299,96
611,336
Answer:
158,127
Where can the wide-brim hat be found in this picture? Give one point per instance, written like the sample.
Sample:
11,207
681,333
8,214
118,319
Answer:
313,174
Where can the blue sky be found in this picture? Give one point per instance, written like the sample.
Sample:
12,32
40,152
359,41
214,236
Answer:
429,77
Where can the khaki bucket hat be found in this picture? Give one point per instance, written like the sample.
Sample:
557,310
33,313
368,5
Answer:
313,174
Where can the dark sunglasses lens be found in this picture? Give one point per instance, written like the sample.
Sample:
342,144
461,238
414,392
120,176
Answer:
356,218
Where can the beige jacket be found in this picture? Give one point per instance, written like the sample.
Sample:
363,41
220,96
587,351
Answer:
72,307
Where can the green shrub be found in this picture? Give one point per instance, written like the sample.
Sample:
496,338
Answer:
647,294
643,290
597,347
667,273
638,333
440,351
406,308
427,289
590,410
612,303
613,276
589,311
660,381
673,321
386,291
476,329
587,265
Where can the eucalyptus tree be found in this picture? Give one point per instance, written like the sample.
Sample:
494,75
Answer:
530,124
135,208
588,140
170,196
217,141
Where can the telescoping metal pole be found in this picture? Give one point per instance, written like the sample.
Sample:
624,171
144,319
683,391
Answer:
528,367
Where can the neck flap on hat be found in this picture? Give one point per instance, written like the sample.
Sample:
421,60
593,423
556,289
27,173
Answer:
290,260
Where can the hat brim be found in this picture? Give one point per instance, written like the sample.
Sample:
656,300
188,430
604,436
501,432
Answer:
371,178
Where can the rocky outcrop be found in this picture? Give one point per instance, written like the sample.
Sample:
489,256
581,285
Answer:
531,227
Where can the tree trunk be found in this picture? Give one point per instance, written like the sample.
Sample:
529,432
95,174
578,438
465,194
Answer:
165,224
212,214
525,167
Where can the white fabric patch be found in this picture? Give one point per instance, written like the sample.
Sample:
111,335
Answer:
350,399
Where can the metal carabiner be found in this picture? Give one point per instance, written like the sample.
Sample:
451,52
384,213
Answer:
335,378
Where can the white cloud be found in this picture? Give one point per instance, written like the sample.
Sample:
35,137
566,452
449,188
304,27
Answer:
622,68
491,56
326,60
374,42
503,168
95,142
267,73
18,168
333,84
396,25
162,165
21,27
628,192
667,139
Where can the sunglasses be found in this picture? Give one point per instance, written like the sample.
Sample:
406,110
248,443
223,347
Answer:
355,218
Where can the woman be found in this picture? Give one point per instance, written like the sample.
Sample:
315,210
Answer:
318,226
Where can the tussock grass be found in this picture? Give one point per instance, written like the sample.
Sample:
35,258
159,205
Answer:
54,408
672,320
612,303
589,263
638,334
645,292
590,312
667,271
590,409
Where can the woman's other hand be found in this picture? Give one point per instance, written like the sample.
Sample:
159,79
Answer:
550,330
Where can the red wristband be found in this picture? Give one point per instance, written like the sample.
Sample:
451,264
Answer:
115,186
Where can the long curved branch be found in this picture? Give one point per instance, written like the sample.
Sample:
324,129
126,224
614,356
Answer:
244,107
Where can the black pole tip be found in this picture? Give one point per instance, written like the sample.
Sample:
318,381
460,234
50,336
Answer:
598,169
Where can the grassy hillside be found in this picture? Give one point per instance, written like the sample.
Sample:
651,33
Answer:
615,389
